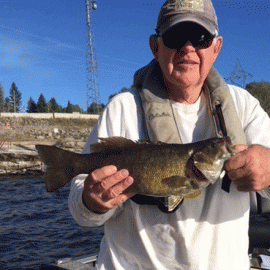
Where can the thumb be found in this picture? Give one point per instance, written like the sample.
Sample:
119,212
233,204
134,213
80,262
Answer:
240,147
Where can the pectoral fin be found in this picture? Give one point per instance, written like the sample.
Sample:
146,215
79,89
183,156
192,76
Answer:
170,204
193,195
175,182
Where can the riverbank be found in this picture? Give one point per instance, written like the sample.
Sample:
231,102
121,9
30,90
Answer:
18,156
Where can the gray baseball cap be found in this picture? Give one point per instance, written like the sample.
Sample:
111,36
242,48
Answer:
201,12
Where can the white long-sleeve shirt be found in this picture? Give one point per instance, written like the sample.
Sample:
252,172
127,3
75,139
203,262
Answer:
208,233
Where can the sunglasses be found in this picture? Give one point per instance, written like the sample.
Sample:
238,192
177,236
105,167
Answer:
177,37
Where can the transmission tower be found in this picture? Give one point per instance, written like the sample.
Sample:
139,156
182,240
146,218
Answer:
91,64
238,76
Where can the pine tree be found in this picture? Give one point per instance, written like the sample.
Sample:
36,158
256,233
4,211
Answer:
15,98
2,99
31,106
69,108
95,108
53,106
41,104
7,105
261,91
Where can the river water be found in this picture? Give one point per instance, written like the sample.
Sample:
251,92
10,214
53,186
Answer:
36,228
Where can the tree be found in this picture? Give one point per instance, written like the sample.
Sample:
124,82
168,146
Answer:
69,108
261,91
72,108
2,100
112,96
41,104
53,106
95,108
15,98
76,108
124,89
7,105
31,106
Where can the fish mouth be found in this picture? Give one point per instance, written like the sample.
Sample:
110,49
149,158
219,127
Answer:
194,173
229,146
200,177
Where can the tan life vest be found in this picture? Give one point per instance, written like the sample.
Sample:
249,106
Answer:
161,124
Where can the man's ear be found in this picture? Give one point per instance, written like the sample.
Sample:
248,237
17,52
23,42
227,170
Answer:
218,44
153,43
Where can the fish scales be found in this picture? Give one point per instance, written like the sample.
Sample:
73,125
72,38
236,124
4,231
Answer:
149,165
158,169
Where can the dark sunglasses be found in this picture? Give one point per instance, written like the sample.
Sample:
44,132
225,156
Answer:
177,37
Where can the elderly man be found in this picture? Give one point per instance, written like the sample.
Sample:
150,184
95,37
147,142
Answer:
178,98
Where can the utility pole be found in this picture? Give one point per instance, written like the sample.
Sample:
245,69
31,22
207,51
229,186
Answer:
91,64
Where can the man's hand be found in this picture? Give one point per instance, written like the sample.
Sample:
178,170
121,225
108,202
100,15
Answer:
103,189
249,169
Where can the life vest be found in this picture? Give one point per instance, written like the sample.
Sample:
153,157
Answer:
161,125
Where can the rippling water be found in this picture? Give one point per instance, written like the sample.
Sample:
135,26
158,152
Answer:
36,227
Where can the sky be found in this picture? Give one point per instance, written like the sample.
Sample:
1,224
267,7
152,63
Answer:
43,44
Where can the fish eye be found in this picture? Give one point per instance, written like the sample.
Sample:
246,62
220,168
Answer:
213,145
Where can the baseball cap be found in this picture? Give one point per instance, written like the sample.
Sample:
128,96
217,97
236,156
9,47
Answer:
201,12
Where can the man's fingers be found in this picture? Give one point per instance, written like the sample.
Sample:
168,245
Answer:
120,199
104,189
240,147
99,174
117,189
238,160
236,174
110,181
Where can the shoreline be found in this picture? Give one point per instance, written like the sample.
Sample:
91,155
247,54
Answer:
19,135
28,175
21,159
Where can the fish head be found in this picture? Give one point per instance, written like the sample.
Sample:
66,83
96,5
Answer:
208,161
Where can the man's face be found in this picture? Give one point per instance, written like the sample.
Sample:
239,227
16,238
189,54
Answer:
189,65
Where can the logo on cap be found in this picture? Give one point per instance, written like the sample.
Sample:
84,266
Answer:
189,5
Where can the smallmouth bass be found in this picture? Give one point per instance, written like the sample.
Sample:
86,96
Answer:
159,169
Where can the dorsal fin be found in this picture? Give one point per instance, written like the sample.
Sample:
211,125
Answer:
116,142
111,143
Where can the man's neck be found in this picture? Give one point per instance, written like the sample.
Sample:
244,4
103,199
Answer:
185,95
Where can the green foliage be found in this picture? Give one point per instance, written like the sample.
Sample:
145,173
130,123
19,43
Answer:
124,89
31,106
261,91
15,98
7,105
2,100
112,96
72,108
95,108
53,106
13,103
69,108
41,104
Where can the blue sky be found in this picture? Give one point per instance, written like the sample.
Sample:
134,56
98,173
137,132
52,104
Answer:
43,44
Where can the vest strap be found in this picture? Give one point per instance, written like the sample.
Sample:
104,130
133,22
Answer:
161,124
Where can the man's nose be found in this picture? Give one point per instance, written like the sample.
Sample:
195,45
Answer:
187,47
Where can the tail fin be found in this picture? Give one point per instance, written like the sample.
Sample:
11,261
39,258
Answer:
59,166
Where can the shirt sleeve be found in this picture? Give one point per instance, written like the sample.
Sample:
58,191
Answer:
255,121
78,211
116,120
